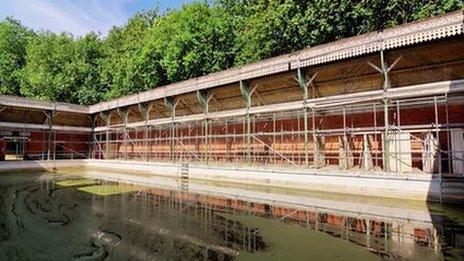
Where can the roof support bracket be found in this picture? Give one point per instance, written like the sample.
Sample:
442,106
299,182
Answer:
304,81
204,100
245,90
171,103
145,109
105,115
202,96
123,113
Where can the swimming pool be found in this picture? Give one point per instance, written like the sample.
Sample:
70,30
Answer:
75,215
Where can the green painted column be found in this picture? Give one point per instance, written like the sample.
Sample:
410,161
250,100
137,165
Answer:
303,83
204,103
171,105
49,118
123,113
145,109
386,86
245,90
106,116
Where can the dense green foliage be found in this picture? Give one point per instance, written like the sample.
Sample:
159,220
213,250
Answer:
152,50
13,42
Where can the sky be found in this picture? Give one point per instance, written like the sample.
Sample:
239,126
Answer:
79,16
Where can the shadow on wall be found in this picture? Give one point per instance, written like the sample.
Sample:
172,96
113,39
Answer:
18,166
445,203
33,165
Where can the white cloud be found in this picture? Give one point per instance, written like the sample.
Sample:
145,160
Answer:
75,16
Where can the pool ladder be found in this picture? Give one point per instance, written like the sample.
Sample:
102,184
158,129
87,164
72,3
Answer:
184,176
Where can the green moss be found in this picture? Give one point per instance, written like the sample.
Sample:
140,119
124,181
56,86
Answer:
291,242
106,190
76,182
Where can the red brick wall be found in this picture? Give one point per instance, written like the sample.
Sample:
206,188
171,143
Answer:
292,146
2,150
38,143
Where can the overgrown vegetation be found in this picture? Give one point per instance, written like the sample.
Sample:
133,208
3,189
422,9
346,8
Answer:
154,49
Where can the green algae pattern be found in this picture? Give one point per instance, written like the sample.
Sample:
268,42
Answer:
108,190
76,182
290,242
92,186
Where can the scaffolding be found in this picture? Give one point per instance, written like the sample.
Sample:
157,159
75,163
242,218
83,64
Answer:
390,101
285,137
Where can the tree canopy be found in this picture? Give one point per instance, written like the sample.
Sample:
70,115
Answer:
154,49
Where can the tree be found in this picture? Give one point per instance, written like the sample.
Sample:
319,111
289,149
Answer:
151,50
86,66
13,41
62,68
119,68
193,41
267,28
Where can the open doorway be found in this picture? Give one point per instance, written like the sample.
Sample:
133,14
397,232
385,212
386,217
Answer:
60,150
15,147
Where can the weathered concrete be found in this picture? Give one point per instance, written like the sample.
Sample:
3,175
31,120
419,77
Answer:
398,210
15,166
418,187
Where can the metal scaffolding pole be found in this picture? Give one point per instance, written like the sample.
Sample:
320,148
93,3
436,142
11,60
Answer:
54,146
49,118
123,113
227,141
106,116
92,136
376,163
437,133
386,85
171,105
245,90
204,103
145,113
448,135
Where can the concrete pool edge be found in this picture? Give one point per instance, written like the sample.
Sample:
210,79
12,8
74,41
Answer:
417,187
38,165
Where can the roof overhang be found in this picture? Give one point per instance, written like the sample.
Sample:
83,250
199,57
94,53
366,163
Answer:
447,25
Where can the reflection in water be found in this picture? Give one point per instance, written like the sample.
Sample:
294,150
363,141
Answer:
44,217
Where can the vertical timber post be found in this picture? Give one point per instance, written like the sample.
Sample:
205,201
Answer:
245,90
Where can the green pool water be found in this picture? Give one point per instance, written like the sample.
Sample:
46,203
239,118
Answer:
65,216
